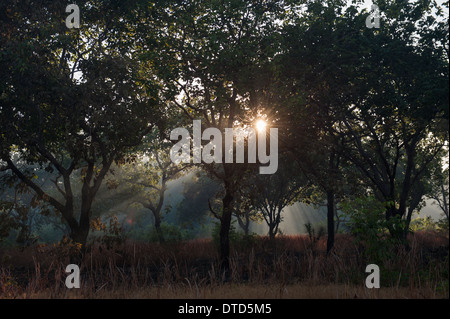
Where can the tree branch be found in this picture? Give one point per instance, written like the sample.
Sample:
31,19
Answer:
43,195
212,210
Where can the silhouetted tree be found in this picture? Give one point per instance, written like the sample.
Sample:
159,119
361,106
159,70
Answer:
70,99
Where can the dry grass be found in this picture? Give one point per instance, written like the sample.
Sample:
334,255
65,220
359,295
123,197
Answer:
290,267
245,291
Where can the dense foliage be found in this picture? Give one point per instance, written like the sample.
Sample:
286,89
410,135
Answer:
86,114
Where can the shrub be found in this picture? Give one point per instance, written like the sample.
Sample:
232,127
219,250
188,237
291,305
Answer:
236,238
172,233
421,224
367,222
111,234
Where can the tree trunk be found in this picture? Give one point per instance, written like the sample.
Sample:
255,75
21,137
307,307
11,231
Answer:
444,205
225,224
416,198
272,232
337,219
274,221
80,232
244,224
330,220
79,236
87,197
394,230
158,227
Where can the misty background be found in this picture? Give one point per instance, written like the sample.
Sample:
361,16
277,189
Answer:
185,212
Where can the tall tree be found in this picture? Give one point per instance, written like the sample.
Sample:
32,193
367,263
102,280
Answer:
393,119
213,66
305,86
376,97
71,99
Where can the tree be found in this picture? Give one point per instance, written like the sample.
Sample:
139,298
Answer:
387,121
148,178
307,86
71,99
245,213
270,194
393,119
212,69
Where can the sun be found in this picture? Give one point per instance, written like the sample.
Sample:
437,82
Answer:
261,125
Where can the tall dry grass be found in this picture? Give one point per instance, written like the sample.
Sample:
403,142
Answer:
289,267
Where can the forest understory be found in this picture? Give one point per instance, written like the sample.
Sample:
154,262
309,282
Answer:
295,266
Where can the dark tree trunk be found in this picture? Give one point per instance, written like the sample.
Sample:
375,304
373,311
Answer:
158,227
80,231
394,230
87,197
78,235
225,224
272,232
330,220
274,222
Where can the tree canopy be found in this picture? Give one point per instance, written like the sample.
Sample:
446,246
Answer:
359,112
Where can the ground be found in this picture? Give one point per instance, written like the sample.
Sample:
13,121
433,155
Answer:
292,267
